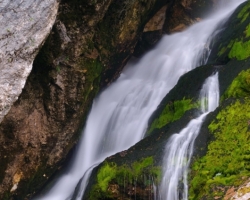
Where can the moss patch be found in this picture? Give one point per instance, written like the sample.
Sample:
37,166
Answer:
240,50
172,112
105,175
139,173
228,156
93,69
244,13
224,49
247,31
240,86
233,42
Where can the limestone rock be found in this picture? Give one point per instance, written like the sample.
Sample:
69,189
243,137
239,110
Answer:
23,28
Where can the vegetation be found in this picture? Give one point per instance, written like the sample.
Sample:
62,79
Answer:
105,175
244,13
240,87
247,31
172,112
240,50
228,157
93,69
236,43
140,172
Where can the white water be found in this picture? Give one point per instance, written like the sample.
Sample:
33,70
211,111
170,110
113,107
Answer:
119,116
179,148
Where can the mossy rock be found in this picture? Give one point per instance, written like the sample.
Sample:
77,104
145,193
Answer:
151,147
233,41
211,172
226,162
221,150
115,181
182,98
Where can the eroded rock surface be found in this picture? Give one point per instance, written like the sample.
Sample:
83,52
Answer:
23,28
88,46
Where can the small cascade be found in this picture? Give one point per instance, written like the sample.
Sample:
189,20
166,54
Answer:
119,115
179,148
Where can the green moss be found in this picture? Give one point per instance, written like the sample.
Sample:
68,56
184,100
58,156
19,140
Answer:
244,13
224,49
105,175
93,69
240,86
235,42
247,31
124,175
227,159
240,50
241,46
172,112
138,167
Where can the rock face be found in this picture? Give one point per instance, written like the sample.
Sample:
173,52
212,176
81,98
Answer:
87,47
173,17
220,167
184,13
24,27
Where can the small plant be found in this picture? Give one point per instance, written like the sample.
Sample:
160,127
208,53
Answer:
58,69
105,175
141,172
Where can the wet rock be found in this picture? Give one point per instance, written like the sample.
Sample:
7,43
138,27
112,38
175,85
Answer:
174,17
184,13
221,153
157,21
82,51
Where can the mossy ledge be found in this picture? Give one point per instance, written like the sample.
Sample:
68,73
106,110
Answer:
240,87
182,98
226,162
113,181
172,112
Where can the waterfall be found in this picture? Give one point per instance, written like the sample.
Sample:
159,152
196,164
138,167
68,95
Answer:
119,115
179,148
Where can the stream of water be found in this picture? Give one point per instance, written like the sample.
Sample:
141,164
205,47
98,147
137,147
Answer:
119,115
179,148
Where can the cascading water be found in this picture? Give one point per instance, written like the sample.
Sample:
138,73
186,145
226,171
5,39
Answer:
179,148
119,116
